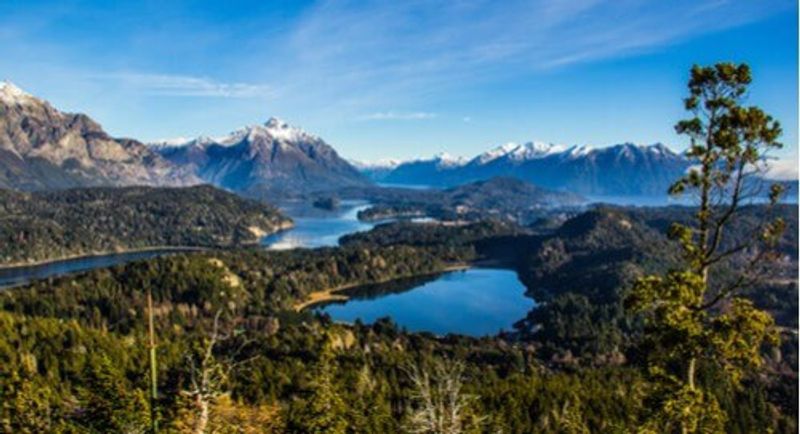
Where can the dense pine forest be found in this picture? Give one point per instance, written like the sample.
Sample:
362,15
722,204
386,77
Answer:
75,348
57,224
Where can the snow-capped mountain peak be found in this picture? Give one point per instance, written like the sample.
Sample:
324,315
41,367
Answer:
660,148
443,159
274,128
631,150
532,150
173,142
281,130
496,153
577,151
178,142
11,94
383,163
519,152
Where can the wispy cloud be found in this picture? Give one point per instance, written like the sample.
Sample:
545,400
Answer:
187,86
390,116
360,54
328,63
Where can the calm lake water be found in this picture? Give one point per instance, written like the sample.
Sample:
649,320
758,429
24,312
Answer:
19,275
315,227
475,302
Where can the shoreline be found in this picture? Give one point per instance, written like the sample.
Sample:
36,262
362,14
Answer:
167,249
284,226
330,294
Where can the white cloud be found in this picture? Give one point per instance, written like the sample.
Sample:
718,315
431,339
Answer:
782,170
389,116
188,86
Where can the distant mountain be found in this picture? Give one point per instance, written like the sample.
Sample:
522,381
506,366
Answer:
625,169
378,170
44,148
274,158
435,172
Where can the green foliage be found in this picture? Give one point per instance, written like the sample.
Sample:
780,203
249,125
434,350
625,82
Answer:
76,346
679,330
323,411
686,409
52,225
692,314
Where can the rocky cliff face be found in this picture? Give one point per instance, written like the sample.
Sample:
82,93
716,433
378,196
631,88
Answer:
44,148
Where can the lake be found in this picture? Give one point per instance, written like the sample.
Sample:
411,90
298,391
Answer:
314,227
475,302
20,275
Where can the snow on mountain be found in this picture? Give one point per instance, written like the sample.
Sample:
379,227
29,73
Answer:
274,128
11,94
266,159
495,153
169,143
518,152
577,151
619,169
445,160
383,163
42,147
532,150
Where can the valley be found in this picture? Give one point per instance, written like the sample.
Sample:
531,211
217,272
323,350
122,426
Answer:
558,306
283,288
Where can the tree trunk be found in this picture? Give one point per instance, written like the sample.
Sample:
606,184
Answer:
153,366
202,415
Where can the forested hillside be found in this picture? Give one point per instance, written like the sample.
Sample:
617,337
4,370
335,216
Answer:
74,348
51,225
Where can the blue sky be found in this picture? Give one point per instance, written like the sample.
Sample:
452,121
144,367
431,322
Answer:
398,78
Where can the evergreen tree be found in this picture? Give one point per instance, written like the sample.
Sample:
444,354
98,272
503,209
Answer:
695,313
324,411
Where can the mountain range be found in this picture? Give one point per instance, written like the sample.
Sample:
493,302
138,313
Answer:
624,169
273,158
44,148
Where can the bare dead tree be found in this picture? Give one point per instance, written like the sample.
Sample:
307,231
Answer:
209,371
440,405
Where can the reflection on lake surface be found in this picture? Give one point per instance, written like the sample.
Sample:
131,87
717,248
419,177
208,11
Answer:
314,227
476,302
19,275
